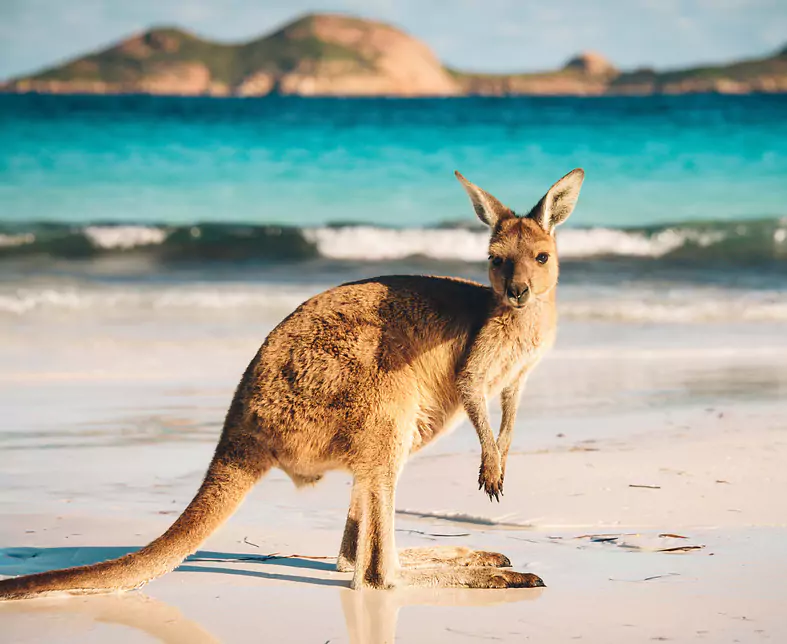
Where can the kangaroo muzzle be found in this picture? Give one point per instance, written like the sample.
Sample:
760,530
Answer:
518,295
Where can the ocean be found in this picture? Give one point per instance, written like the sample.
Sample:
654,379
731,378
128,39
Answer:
198,203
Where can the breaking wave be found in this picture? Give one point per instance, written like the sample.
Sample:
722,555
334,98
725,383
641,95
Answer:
751,242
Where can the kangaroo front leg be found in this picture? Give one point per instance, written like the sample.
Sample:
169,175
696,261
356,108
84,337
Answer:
376,562
345,562
471,390
509,403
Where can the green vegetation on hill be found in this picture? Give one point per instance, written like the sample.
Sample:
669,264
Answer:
140,56
742,71
746,71
286,49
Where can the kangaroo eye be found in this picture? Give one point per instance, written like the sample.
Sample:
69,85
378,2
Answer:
542,258
496,261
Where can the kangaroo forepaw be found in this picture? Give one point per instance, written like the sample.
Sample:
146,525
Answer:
490,477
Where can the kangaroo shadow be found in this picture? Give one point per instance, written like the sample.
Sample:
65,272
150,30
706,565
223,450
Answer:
26,561
371,615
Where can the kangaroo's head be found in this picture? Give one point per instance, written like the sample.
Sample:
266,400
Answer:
522,254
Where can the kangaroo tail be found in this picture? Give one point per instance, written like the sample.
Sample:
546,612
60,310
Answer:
226,484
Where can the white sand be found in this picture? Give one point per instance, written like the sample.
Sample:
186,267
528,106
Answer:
98,458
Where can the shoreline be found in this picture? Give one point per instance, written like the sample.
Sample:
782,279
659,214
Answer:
403,97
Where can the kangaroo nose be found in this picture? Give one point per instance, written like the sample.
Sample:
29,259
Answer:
518,293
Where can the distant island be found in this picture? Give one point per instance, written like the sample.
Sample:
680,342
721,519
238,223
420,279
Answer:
338,55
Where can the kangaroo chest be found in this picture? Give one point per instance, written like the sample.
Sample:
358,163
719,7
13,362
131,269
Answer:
520,353
510,367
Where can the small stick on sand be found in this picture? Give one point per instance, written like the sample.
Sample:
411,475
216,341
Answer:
680,548
434,534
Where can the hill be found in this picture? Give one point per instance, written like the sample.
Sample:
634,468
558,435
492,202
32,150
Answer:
586,74
331,54
315,55
757,75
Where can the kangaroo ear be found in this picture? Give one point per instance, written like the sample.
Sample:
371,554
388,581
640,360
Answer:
488,209
558,203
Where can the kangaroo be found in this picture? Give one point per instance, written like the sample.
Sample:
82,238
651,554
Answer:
360,377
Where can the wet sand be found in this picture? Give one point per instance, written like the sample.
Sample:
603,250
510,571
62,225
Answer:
100,454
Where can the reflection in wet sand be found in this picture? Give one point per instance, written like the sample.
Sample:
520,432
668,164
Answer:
371,615
135,610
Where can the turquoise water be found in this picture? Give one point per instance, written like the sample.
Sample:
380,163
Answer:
387,162
145,206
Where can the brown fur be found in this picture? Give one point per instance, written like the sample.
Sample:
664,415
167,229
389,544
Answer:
360,377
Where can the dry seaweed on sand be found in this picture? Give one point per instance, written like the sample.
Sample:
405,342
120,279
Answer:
663,542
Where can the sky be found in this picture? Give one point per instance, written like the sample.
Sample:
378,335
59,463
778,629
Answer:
476,35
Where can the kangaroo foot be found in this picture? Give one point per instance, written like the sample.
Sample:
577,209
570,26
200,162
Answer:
512,579
448,577
451,556
343,564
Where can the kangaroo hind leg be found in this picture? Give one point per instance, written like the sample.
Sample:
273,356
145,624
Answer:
369,548
345,562
376,561
458,556
467,577
413,557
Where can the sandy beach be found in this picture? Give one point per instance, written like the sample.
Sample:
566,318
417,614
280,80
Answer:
178,177
165,202
645,489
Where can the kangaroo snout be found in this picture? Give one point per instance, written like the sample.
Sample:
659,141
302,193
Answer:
518,294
